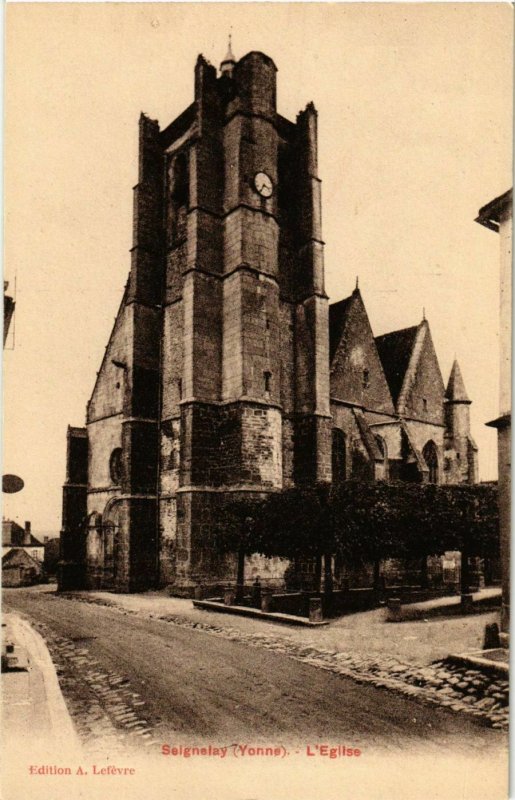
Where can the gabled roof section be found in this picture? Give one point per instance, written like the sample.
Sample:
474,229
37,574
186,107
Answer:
356,374
338,313
19,557
10,530
416,380
117,349
19,541
456,392
395,351
367,437
491,215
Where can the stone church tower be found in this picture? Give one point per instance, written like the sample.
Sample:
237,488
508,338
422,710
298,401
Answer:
216,376
225,374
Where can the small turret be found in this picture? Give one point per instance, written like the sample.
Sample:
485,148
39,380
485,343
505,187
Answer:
460,447
456,392
229,62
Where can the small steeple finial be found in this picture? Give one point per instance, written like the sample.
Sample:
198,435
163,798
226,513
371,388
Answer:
357,282
423,313
227,65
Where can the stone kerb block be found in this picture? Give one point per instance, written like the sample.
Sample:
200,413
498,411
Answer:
394,610
315,609
229,596
467,603
266,600
491,639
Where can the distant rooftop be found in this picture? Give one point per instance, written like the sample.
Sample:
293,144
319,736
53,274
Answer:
490,215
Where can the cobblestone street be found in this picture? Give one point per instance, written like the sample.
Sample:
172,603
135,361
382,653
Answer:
107,713
111,708
465,690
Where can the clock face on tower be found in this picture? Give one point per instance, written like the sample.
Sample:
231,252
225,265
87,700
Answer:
263,184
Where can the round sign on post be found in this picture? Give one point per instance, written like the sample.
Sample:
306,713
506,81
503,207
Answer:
12,484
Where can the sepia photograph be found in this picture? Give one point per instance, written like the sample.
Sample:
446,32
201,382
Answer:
256,400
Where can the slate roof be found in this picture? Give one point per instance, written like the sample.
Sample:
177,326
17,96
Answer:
368,438
456,388
490,215
395,350
18,556
13,535
338,313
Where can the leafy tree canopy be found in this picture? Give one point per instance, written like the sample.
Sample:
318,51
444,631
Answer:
363,521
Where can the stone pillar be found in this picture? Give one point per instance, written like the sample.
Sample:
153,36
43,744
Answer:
467,603
315,609
394,610
266,600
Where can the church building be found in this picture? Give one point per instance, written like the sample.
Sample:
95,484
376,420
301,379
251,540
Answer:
227,370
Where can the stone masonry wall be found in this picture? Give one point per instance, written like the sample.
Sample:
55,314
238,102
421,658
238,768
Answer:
112,384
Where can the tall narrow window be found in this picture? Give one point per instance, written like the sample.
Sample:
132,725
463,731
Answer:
115,465
381,443
268,381
366,378
179,198
338,455
431,458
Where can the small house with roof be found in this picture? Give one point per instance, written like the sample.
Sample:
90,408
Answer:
22,555
16,537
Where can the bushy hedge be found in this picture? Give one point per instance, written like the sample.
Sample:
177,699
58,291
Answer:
364,522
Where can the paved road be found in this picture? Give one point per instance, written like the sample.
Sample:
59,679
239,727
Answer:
192,685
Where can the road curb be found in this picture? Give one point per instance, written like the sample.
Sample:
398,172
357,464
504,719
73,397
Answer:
63,730
245,611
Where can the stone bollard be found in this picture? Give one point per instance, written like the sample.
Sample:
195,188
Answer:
394,610
491,640
315,609
267,601
255,593
229,596
467,604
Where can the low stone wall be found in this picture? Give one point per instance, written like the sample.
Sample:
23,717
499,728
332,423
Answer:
338,602
334,604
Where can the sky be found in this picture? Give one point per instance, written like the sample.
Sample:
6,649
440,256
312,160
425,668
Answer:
415,135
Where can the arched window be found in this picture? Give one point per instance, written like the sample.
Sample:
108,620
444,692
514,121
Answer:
384,452
430,455
115,465
94,522
338,455
180,181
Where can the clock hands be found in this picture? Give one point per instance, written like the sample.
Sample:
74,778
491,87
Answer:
263,184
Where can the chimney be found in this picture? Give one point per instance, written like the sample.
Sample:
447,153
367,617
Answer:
27,536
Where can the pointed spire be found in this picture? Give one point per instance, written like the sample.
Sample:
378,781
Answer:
227,65
230,54
357,284
423,313
456,392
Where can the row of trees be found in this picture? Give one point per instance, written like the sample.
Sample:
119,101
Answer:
362,523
